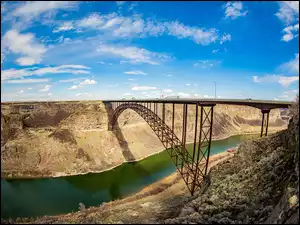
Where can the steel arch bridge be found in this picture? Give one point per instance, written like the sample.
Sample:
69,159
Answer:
193,167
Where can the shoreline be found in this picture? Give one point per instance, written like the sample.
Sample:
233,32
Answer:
9,176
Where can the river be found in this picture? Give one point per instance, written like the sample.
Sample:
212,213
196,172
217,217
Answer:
52,196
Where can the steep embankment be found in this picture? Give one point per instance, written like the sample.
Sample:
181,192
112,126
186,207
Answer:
64,138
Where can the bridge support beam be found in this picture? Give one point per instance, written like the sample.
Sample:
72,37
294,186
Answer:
264,122
204,145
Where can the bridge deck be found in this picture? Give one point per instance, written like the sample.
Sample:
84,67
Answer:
261,104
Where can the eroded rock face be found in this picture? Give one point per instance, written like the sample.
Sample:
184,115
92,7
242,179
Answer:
64,135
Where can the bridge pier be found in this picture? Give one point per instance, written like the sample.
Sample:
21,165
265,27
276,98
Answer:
264,122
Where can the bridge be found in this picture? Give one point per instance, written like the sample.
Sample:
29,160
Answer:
193,167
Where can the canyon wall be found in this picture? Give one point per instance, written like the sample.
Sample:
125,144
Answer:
54,139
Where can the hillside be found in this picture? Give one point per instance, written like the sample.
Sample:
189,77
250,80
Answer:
65,138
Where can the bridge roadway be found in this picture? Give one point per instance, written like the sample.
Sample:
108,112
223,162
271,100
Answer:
260,104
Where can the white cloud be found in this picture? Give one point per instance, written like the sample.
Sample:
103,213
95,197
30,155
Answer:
118,26
49,94
93,21
169,75
20,92
35,8
27,61
283,80
81,84
291,67
286,81
143,88
290,32
64,27
167,90
187,84
133,54
288,12
26,81
224,38
205,64
215,51
131,79
15,73
29,88
234,10
184,95
46,88
26,12
135,72
87,81
73,87
24,44
198,35
80,94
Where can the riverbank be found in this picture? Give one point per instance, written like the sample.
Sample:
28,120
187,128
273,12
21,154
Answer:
148,199
35,175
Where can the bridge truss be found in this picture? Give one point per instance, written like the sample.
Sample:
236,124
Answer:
191,164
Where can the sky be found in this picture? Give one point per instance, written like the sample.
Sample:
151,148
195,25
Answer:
58,50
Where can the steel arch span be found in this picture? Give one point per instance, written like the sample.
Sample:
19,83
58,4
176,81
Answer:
188,165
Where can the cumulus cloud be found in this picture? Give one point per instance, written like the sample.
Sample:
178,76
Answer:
73,87
224,38
198,35
288,12
135,72
82,84
290,32
87,81
215,51
119,27
283,80
143,88
132,54
64,27
21,73
234,10
24,44
46,88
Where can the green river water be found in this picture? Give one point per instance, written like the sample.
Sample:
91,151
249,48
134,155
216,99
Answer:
51,196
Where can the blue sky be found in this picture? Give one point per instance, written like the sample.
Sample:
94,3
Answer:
111,50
